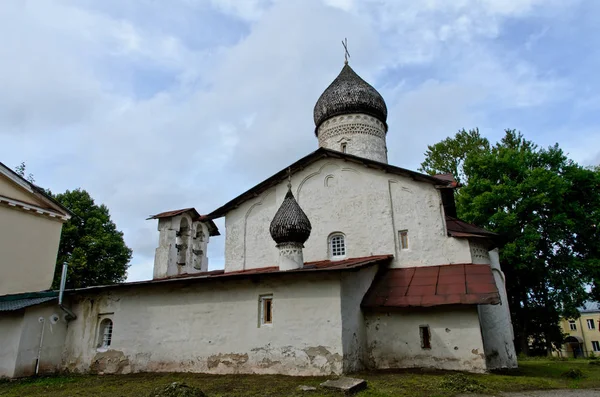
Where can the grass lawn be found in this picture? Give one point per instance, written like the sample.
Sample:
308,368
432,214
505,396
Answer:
533,374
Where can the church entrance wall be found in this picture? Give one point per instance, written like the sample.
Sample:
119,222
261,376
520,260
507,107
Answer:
442,338
212,327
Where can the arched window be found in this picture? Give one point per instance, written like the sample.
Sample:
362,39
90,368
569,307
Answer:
105,334
337,246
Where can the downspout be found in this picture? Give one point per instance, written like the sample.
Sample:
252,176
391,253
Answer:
63,281
39,353
584,350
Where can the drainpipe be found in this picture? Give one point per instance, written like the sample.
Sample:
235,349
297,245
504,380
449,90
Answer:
63,282
39,353
583,337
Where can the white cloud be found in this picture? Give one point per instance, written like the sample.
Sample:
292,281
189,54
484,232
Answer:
152,108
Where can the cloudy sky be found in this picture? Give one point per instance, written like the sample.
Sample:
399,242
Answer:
157,105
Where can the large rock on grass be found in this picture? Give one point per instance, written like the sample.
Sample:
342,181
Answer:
177,389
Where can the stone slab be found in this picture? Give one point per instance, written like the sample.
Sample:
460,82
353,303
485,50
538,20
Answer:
346,385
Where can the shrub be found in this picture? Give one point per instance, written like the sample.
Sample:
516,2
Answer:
573,374
461,383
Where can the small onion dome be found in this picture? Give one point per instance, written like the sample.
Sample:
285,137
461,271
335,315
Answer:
349,93
290,224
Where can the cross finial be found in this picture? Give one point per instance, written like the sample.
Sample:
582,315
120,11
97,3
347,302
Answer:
346,53
289,178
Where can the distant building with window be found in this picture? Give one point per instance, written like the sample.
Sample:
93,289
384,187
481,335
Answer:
30,228
337,263
583,333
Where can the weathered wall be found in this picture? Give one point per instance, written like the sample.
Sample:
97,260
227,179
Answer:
496,324
213,327
393,339
354,334
340,197
10,334
362,135
55,329
29,244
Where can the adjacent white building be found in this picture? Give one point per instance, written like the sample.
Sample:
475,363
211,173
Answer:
338,263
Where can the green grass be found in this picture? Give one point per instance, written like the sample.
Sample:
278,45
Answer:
532,375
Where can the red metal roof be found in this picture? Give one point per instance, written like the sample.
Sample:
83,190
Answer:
458,228
448,178
212,228
347,264
464,284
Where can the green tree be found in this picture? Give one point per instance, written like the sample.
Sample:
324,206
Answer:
20,169
90,244
546,209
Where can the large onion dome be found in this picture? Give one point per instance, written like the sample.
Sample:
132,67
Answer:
290,224
349,93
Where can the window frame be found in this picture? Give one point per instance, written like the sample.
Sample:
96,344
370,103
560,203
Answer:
265,310
425,336
344,147
340,246
591,324
403,239
595,346
106,328
572,325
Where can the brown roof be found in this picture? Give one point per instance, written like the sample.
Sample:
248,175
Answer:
319,154
212,228
347,264
458,228
449,178
465,284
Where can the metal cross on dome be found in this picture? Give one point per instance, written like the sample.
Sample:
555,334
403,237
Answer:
346,53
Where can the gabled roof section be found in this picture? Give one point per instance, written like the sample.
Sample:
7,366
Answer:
51,207
317,155
212,228
462,284
458,228
271,271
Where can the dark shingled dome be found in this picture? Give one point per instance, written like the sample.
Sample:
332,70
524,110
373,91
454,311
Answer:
290,224
349,93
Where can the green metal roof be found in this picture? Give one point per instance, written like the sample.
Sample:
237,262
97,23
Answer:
21,301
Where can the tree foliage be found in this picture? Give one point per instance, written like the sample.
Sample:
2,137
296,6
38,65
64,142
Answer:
90,244
21,170
545,208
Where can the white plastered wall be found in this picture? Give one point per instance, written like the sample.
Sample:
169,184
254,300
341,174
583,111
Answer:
394,341
369,206
354,334
21,335
496,324
213,327
10,331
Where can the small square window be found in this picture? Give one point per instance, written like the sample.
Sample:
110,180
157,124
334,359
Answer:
572,325
425,337
590,324
403,237
266,310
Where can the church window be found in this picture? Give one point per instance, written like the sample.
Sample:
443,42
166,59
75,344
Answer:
337,245
425,337
266,310
403,235
105,333
344,146
572,325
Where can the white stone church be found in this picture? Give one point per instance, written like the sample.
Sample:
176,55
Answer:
338,263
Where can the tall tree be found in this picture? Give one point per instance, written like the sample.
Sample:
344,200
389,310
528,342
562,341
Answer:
449,155
90,244
546,210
